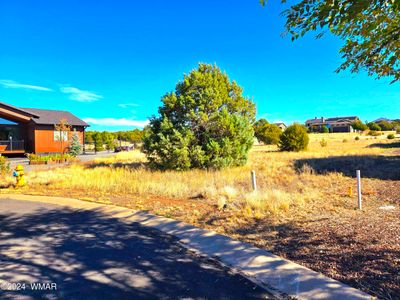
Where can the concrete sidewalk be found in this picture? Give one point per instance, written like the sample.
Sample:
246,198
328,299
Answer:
280,276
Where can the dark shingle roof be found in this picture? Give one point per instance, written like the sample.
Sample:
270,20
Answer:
352,118
52,117
325,120
18,109
312,121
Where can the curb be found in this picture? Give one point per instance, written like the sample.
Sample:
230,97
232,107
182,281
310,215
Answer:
279,276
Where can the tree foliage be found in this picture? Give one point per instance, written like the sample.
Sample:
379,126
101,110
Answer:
259,128
62,128
98,142
396,125
75,147
132,136
374,127
269,134
385,125
370,29
294,138
205,123
359,125
108,139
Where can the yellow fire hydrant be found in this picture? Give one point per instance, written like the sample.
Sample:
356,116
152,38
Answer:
19,176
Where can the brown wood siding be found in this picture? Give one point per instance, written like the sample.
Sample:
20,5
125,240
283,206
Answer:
30,140
44,139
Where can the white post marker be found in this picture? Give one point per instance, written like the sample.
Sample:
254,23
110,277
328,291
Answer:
359,189
253,180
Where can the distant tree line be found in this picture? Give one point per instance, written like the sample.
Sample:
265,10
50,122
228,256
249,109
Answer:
376,126
110,140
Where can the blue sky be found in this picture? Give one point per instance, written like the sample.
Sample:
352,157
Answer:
110,62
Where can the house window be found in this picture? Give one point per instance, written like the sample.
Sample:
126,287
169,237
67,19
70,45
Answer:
60,136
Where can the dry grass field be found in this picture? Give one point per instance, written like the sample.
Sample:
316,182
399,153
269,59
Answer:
304,209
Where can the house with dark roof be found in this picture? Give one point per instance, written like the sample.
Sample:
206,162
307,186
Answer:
337,124
31,130
281,125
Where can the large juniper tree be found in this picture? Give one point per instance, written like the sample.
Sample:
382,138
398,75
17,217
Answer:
370,29
205,123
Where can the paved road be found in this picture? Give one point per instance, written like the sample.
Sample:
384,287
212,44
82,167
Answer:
86,255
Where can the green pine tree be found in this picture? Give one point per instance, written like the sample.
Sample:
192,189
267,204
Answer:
205,123
76,147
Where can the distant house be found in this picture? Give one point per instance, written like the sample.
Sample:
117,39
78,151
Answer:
31,130
337,124
282,126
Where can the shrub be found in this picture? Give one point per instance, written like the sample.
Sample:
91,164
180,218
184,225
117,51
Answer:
44,159
295,138
358,125
270,135
391,136
398,130
357,138
324,129
205,123
37,158
323,143
4,165
345,140
374,127
374,133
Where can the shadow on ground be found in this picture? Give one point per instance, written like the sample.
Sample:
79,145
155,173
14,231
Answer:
385,145
380,167
90,256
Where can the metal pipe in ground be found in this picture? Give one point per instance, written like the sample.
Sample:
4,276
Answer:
253,180
358,173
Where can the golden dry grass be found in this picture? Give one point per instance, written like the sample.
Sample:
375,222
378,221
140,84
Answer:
282,186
